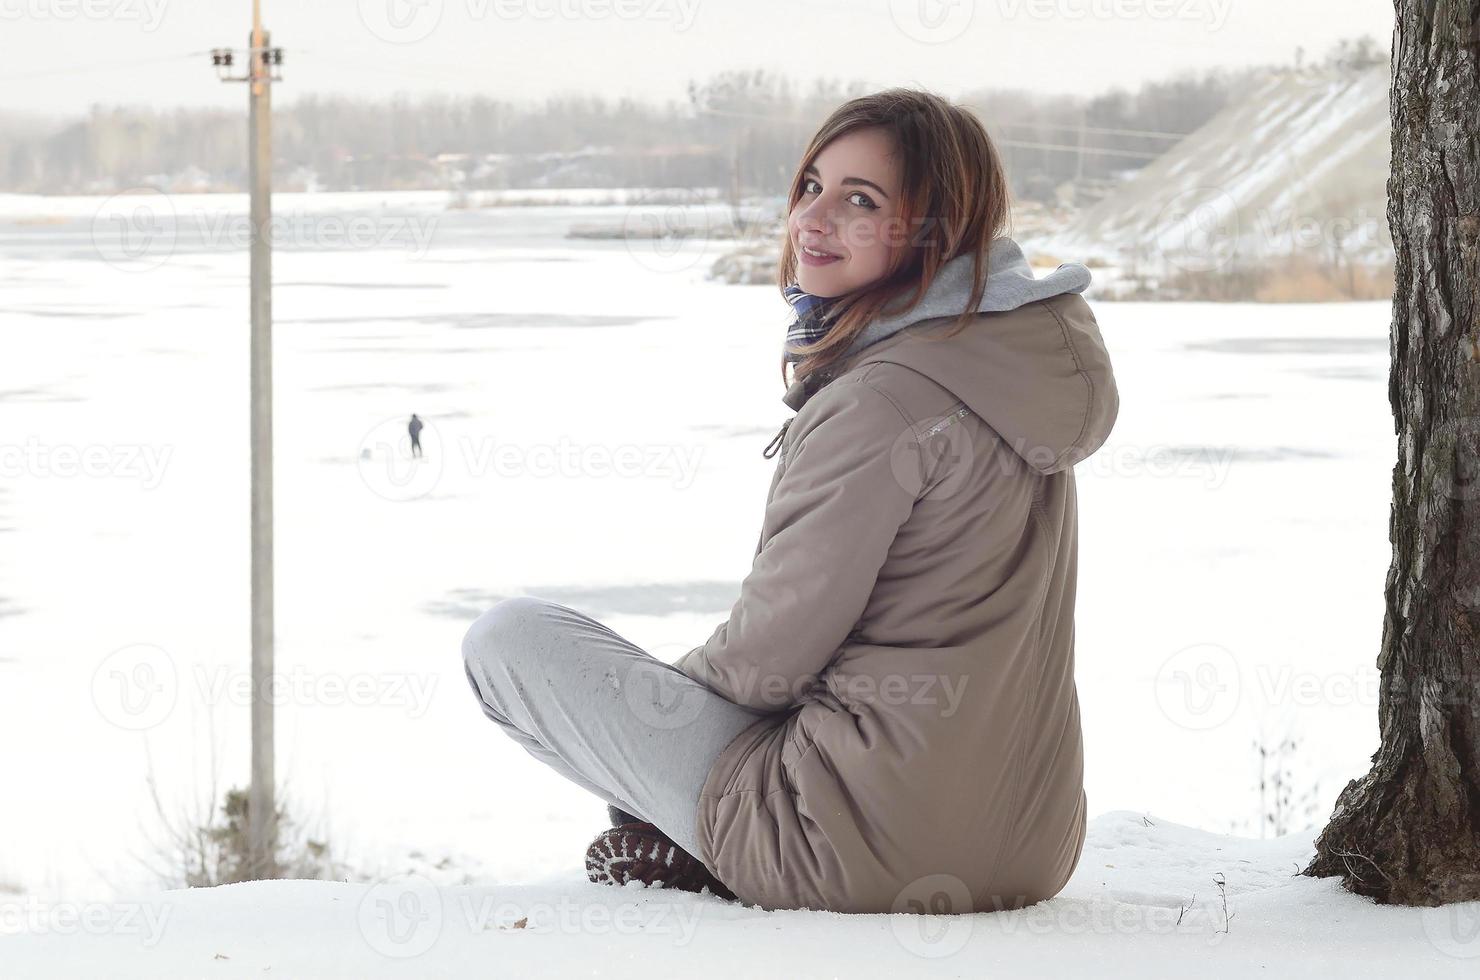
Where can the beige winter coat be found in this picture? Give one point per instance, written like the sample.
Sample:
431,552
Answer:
909,619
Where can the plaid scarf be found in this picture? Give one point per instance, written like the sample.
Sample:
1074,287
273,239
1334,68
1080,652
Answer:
811,323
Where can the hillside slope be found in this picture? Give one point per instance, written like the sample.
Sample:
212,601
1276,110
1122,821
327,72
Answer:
1298,165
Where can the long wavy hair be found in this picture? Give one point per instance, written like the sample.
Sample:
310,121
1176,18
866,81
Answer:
955,200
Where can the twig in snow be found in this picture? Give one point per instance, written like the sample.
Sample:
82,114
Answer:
1222,884
1345,855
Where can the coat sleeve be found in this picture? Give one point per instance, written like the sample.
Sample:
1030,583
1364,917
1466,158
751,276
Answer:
828,526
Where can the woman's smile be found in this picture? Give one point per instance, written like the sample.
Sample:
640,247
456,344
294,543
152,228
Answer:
811,256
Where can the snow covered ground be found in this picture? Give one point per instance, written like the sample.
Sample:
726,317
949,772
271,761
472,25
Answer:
596,416
1150,899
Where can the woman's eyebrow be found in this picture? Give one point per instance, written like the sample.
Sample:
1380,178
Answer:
812,171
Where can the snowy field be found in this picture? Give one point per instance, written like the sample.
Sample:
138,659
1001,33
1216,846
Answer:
596,414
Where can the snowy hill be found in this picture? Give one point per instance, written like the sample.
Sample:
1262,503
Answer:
1145,901
1300,164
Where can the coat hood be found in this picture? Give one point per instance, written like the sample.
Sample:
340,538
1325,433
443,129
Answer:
1033,367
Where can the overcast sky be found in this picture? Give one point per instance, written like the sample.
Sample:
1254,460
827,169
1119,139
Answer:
60,56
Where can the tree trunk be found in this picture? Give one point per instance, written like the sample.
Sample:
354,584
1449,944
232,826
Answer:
1408,832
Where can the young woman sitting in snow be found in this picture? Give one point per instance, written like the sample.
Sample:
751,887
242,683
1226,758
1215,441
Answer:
889,714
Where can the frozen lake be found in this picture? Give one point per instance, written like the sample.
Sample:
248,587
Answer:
596,414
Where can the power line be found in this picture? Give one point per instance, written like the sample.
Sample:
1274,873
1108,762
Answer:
104,66
379,68
1073,148
434,75
1099,130
1024,144
769,117
1144,133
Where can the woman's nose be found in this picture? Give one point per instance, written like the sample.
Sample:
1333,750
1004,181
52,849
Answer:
816,217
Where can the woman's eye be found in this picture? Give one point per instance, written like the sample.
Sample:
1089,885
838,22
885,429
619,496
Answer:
857,197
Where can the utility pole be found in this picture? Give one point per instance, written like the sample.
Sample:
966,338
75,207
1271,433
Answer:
262,62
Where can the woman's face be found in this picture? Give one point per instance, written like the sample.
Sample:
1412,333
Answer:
848,209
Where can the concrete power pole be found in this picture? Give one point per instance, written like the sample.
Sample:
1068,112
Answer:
262,61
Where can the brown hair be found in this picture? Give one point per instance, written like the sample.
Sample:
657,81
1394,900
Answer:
955,200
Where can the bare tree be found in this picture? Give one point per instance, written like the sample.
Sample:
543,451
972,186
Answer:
1408,832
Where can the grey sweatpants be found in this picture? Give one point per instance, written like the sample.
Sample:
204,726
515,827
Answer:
600,710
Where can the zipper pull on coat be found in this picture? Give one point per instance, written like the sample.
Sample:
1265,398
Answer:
775,443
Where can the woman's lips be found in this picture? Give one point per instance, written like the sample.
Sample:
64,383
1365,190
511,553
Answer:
809,259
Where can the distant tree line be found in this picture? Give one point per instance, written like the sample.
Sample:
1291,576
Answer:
741,131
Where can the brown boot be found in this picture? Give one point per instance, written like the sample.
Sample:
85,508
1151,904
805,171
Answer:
641,852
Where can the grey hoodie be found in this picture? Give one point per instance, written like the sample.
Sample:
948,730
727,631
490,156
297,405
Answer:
1002,362
1010,284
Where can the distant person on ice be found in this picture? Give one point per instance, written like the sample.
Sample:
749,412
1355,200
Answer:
415,429
888,717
